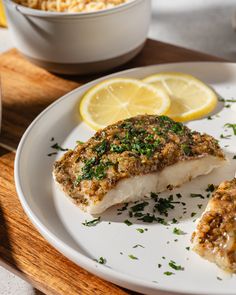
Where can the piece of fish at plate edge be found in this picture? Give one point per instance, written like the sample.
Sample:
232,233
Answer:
215,236
128,160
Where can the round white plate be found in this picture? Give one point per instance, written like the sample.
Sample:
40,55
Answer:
60,222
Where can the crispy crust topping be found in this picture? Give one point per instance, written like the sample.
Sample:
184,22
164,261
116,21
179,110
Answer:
136,146
215,236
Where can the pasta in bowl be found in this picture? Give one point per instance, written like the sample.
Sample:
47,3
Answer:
71,5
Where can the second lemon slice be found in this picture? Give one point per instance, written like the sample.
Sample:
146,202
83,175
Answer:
190,98
120,98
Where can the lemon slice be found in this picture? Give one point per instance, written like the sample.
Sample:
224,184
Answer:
120,98
190,98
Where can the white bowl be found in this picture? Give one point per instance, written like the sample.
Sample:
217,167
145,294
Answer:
80,43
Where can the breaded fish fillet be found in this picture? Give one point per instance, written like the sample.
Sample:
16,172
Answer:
127,160
215,236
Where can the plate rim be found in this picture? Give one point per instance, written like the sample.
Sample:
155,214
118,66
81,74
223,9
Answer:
108,274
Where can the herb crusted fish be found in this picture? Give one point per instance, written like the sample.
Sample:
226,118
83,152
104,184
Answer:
215,236
127,160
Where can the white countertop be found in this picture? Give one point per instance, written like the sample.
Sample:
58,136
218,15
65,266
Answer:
203,25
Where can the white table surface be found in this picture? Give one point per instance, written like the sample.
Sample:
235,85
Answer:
203,25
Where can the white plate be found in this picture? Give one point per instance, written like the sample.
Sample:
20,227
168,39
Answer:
60,222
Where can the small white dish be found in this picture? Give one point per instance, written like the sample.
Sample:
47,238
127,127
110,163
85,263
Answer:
60,221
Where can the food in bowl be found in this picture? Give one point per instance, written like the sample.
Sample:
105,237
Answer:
128,160
71,5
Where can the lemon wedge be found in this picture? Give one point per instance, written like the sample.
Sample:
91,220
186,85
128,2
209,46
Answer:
190,98
120,98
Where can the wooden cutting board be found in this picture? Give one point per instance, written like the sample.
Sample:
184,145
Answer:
26,91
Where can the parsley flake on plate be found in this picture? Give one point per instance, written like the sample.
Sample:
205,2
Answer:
92,222
127,222
178,231
140,230
168,273
173,265
131,256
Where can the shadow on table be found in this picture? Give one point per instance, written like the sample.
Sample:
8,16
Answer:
5,243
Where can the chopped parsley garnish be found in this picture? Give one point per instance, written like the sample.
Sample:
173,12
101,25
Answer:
168,273
79,142
209,118
187,248
234,157
230,125
93,169
174,220
140,230
159,265
58,148
178,231
101,260
133,257
138,245
197,196
179,196
163,205
151,218
227,100
139,207
124,207
137,141
173,265
199,206
52,138
127,222
186,149
193,214
92,222
210,188
101,148
219,279
225,136
163,257
51,154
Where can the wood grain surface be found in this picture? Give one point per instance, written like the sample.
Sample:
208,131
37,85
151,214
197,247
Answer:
27,90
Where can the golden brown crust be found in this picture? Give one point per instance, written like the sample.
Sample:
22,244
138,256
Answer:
215,236
136,146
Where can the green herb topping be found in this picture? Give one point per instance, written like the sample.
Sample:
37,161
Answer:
197,196
230,125
225,136
133,257
57,147
51,154
140,230
210,188
92,222
168,273
101,260
127,222
173,265
138,245
79,142
178,231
